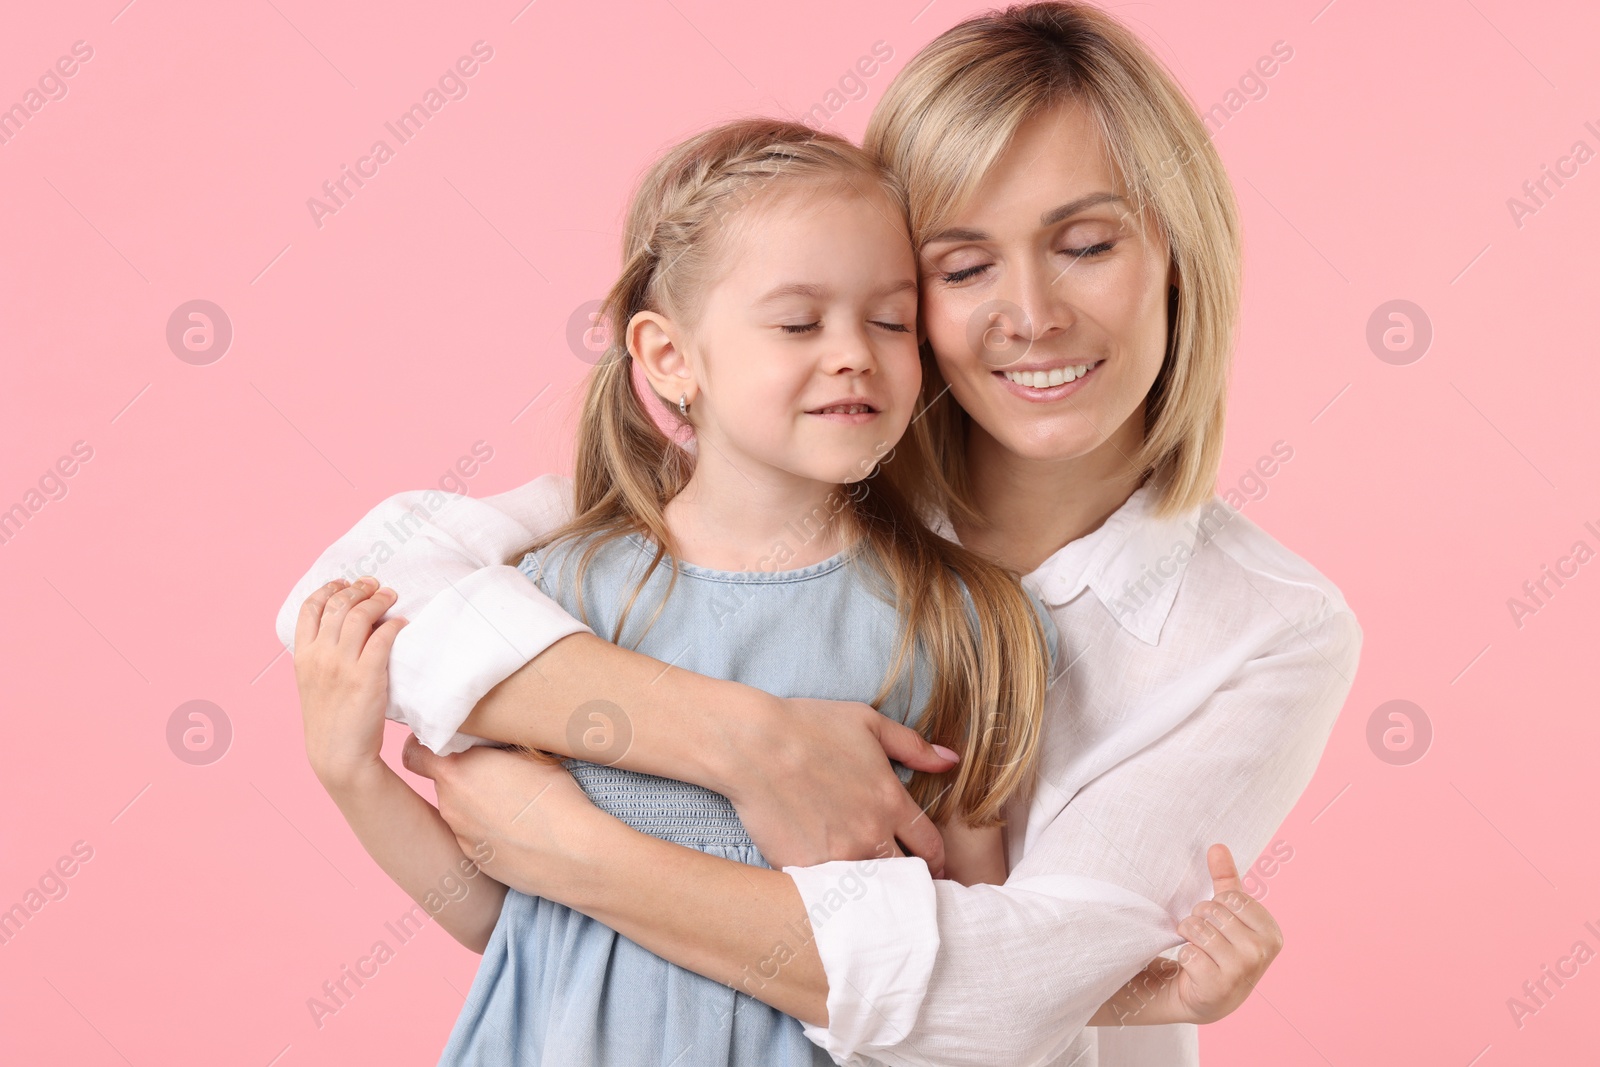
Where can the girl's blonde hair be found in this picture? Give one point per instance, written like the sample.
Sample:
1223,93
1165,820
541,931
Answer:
949,115
988,686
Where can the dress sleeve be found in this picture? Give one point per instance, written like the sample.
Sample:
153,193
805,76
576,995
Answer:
924,971
473,619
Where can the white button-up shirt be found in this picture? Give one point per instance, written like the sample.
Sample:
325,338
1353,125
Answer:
1203,668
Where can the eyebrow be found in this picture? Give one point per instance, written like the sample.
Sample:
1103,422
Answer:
1049,218
818,292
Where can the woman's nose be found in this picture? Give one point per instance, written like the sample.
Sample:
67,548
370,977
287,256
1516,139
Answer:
1040,293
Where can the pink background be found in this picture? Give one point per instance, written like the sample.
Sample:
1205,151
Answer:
430,313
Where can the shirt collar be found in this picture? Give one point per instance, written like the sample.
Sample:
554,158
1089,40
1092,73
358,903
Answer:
1134,563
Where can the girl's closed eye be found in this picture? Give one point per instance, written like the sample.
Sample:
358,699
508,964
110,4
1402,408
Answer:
812,327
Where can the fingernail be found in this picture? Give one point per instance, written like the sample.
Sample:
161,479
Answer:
947,753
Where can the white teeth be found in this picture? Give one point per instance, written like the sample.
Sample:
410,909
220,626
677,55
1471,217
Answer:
845,409
1038,379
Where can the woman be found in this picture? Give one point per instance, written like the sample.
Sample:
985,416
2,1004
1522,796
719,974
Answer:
1079,252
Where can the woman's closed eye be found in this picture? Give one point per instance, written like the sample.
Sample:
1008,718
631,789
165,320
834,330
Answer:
1090,252
956,277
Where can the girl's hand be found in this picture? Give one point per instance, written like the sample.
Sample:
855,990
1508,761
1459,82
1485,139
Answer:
1232,940
341,664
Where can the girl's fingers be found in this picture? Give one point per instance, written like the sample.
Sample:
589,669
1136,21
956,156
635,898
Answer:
1206,936
309,624
1196,962
361,616
1229,892
376,650
1224,874
338,606
1231,928
1252,913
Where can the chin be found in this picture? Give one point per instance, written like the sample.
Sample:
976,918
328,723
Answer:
1051,439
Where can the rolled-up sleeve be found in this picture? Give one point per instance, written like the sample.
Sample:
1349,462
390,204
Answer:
473,621
1010,974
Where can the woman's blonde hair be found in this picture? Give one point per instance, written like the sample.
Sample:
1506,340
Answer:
988,685
949,115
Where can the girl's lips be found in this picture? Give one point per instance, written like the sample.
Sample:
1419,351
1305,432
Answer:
839,416
1049,393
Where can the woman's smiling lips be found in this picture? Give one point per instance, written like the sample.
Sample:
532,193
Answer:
1069,378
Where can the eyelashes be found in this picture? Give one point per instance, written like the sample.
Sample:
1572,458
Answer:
959,276
812,327
967,273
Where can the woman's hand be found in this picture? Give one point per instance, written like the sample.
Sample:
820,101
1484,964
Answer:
812,782
529,812
341,664
1232,940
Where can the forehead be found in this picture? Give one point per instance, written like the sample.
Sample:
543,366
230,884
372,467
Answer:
819,226
1056,156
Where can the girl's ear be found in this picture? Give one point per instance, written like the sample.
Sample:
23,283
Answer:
653,342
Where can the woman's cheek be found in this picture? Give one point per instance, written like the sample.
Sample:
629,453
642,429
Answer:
945,335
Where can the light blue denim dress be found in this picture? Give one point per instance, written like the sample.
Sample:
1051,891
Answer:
558,989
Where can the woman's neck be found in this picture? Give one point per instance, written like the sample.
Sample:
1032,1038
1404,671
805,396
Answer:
727,520
1034,507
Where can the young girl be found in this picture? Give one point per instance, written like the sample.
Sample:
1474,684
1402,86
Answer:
768,300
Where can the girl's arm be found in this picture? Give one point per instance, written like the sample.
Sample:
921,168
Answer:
487,650
342,666
973,857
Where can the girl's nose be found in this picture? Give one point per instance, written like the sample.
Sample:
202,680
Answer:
850,352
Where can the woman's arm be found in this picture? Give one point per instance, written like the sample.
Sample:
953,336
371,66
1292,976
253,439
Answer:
485,649
1095,896
810,779
917,968
472,620
746,926
739,924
